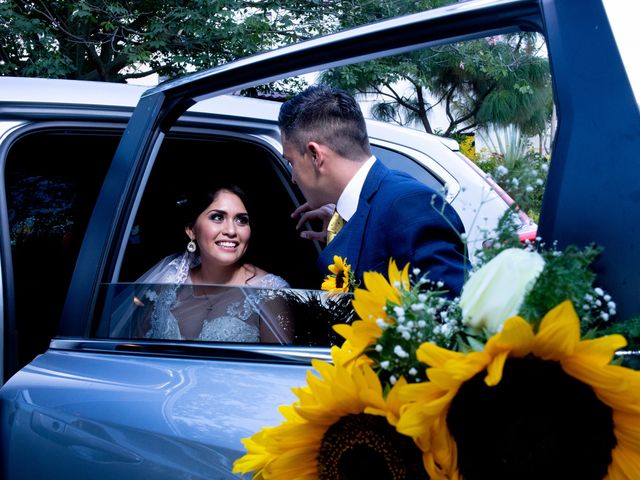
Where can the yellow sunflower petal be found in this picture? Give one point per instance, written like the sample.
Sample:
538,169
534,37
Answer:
516,337
601,350
494,370
559,333
436,356
627,429
625,464
398,278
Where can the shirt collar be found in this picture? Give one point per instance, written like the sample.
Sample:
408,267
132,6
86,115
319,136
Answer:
348,201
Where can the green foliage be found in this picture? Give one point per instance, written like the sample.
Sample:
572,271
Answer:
566,276
501,80
108,39
516,167
629,329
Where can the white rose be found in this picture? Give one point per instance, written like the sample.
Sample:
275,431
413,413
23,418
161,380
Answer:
496,291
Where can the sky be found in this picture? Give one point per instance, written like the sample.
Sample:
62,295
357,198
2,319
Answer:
623,17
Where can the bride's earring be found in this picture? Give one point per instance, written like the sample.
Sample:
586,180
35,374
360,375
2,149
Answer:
191,246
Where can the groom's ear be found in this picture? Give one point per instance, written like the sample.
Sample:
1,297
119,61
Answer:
317,153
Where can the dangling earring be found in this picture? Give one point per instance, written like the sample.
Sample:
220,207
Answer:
191,246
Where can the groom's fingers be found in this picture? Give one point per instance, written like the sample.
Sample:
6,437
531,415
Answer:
306,214
300,210
312,235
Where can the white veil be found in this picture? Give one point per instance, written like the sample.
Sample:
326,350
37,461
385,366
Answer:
172,269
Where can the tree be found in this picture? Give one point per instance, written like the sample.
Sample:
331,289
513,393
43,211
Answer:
113,40
499,80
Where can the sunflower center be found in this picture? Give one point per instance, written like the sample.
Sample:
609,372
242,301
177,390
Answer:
366,446
340,279
538,422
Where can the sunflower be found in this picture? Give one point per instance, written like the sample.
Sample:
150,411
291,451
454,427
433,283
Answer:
340,281
477,411
340,424
369,303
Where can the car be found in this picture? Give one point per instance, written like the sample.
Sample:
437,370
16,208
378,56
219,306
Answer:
104,401
60,142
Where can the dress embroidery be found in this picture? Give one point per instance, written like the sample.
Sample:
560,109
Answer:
234,326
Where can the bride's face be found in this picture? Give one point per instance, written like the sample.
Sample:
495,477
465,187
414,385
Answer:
222,230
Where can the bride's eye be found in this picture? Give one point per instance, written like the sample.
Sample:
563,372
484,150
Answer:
242,219
216,217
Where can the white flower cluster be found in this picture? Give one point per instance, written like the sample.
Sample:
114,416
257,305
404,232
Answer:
423,315
599,305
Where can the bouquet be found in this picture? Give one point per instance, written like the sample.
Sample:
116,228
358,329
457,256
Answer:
516,378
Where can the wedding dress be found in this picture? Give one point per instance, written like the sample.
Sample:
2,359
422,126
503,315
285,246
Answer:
220,313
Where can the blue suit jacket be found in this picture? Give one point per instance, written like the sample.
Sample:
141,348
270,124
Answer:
398,217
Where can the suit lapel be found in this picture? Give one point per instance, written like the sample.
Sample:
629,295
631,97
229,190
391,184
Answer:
348,243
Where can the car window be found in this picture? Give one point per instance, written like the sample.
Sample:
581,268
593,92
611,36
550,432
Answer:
52,179
266,307
190,163
398,161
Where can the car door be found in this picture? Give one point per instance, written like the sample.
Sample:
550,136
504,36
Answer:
136,407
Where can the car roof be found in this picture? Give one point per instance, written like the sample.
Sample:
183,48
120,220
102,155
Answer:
57,92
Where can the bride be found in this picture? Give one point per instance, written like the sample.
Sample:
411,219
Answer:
213,293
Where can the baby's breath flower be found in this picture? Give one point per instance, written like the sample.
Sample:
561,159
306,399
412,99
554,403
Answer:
413,372
393,379
384,364
399,351
381,323
416,307
599,291
378,348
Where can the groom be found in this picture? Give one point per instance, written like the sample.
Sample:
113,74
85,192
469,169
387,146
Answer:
388,214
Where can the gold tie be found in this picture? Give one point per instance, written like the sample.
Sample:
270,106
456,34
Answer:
335,224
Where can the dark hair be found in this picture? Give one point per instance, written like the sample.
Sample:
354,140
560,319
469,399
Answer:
326,115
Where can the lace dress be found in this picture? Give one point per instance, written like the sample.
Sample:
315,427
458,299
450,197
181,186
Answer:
247,314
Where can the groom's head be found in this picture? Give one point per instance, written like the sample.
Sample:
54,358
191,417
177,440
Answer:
325,115
324,138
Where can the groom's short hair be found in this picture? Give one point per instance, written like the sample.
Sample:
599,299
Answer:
325,115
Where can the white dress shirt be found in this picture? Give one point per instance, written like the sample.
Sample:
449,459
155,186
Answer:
348,201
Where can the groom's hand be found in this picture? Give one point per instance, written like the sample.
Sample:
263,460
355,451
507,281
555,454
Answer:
305,214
